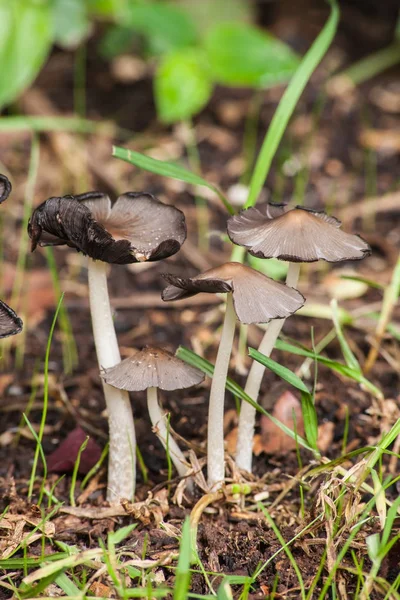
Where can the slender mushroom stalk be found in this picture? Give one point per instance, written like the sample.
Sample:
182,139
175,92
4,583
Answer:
149,369
215,437
247,418
122,453
253,298
136,228
158,421
297,235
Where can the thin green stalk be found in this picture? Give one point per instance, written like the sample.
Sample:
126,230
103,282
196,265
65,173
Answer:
289,101
96,467
75,472
202,214
45,401
69,349
371,65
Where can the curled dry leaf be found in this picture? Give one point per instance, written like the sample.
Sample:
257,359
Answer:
272,440
154,508
63,459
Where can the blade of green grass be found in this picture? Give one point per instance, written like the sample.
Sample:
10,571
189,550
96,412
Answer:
289,101
168,169
204,365
333,365
45,406
183,573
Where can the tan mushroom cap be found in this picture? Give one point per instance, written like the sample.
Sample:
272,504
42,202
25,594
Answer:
296,235
10,323
152,367
256,297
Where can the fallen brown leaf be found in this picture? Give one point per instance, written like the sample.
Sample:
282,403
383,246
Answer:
272,440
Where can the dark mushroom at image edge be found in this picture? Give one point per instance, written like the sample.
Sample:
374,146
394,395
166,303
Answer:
5,188
136,228
152,369
252,298
10,323
296,235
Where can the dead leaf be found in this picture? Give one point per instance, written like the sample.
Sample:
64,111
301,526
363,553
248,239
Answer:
63,459
272,439
325,435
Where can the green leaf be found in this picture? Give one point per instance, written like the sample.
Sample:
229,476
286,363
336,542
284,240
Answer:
26,31
310,419
182,85
307,405
333,365
204,365
71,23
282,372
183,573
108,9
207,13
118,536
277,269
224,591
288,103
348,355
167,169
165,27
240,54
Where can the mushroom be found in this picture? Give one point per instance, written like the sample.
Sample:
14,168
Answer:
5,188
10,323
150,369
137,227
253,298
296,235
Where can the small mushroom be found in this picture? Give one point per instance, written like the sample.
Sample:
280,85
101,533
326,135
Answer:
296,235
5,188
150,369
10,323
254,298
137,227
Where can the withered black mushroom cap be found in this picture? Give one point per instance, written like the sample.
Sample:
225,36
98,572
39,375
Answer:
138,227
296,235
5,188
152,367
10,323
256,297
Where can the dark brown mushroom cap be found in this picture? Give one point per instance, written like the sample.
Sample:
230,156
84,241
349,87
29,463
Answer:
5,188
138,227
297,235
152,367
256,297
10,324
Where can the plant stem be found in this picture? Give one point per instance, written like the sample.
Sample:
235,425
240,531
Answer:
215,440
158,422
244,448
122,456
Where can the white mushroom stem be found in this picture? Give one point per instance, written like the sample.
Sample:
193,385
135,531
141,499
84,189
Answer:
122,451
247,418
215,439
160,428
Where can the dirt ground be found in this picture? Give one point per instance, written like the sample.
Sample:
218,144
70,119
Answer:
351,151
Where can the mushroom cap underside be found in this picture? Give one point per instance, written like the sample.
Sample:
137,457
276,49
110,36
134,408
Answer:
296,235
256,297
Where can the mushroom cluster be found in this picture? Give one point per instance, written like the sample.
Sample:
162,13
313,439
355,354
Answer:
138,227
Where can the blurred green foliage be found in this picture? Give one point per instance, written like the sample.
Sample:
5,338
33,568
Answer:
192,43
